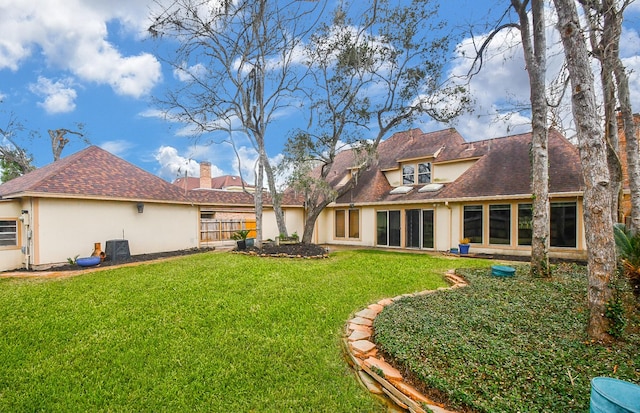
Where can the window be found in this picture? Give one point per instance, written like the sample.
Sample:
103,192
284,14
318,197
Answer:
418,228
472,225
525,224
388,228
340,224
564,224
408,173
350,226
424,173
500,224
8,233
354,223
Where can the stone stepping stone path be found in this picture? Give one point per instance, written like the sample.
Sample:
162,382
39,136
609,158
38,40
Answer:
378,376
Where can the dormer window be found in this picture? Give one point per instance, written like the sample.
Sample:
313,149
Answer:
409,174
424,173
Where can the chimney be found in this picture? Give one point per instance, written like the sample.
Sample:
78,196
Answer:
205,175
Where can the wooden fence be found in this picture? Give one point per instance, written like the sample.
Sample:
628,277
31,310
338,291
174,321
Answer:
215,230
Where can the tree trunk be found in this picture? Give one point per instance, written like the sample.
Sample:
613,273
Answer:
257,196
592,148
275,195
310,222
612,32
613,23
604,40
535,56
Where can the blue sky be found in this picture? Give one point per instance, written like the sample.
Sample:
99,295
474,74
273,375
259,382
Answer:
64,62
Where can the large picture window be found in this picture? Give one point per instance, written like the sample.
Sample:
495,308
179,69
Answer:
8,233
500,224
564,224
472,225
388,228
347,221
525,224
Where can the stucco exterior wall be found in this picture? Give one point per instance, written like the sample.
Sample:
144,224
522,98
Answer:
11,256
65,228
269,225
294,219
448,228
449,172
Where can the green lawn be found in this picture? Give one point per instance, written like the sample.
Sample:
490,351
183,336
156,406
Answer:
508,345
210,332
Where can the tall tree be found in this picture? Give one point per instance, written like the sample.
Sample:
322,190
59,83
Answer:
605,18
374,67
592,148
59,140
238,61
534,45
14,159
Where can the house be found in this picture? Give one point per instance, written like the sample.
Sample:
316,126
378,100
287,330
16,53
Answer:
206,181
427,191
241,217
61,210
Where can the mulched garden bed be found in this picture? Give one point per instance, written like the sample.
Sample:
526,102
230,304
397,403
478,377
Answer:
299,250
134,258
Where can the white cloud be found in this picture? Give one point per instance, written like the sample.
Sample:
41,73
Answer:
173,165
72,35
248,158
629,42
117,147
59,96
185,73
500,91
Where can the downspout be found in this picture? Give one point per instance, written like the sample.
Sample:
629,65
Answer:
446,203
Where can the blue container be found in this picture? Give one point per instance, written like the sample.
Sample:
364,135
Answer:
502,271
614,396
464,248
88,261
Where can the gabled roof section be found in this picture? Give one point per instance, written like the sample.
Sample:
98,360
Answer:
93,173
502,167
505,168
413,144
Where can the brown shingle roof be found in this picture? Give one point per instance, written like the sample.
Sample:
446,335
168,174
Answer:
94,173
217,182
502,168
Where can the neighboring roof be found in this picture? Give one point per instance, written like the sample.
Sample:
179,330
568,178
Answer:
502,167
217,182
93,173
